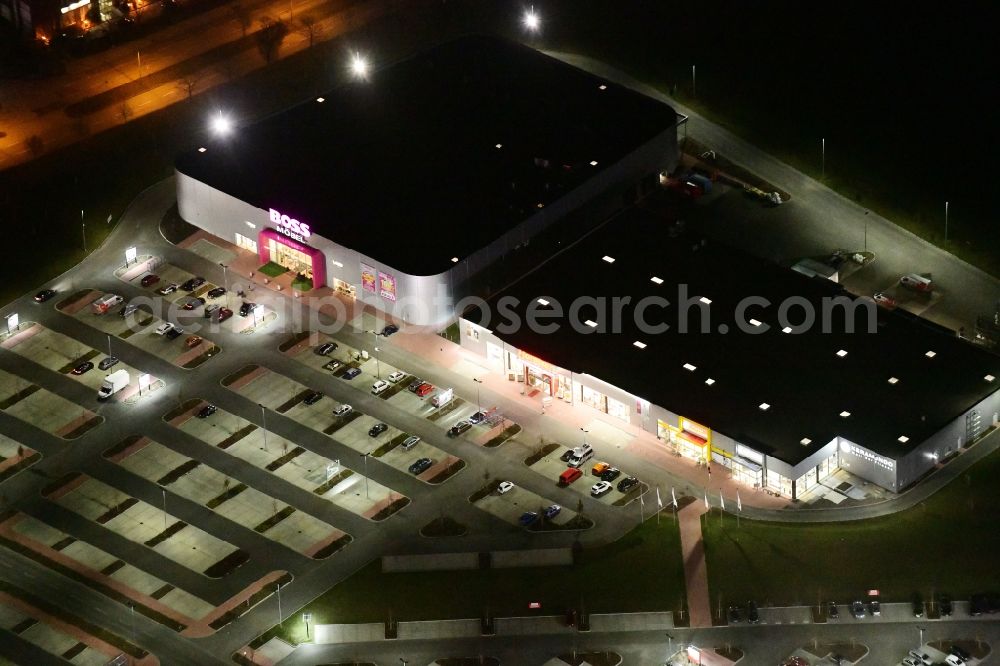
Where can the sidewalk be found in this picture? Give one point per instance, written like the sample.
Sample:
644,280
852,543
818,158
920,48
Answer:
695,568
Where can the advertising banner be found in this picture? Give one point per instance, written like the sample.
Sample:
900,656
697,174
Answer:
387,286
368,278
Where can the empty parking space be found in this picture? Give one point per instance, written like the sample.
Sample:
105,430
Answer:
145,524
43,409
242,504
55,637
15,456
328,478
516,506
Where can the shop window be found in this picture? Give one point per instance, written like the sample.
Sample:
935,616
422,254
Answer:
246,243
619,410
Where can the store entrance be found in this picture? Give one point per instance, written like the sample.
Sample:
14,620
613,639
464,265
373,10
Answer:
292,259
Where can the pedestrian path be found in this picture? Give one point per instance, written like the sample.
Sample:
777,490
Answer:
695,567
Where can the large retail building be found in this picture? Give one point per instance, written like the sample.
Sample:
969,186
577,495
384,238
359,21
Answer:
399,189
736,377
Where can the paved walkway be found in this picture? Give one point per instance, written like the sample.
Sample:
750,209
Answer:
695,568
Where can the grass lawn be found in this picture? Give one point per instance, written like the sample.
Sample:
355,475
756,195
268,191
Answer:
946,544
640,572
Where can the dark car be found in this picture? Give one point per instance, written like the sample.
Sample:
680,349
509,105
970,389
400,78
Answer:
944,604
477,418
610,474
627,484
960,653
247,308
979,604
527,518
414,385
210,310
44,295
858,609
421,466
875,607
149,280
832,611
918,605
325,348
567,454
734,615
459,428
753,616
107,362
174,332
389,330
551,511
216,292
377,429
351,373
193,283
313,398
223,315
86,366
192,303
207,411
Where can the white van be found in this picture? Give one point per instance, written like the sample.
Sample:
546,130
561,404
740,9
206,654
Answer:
105,302
581,455
917,282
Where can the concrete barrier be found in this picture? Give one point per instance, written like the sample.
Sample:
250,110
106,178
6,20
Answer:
631,621
438,629
435,562
349,633
542,557
524,626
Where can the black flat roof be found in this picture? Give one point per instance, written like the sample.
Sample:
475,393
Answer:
404,167
801,376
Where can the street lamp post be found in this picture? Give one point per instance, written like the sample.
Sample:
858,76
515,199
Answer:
263,420
225,281
365,456
83,230
921,630
694,82
479,404
945,221
823,143
584,431
278,586
164,492
378,370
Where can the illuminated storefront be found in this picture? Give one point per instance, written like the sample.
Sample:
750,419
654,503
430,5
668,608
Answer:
542,376
693,440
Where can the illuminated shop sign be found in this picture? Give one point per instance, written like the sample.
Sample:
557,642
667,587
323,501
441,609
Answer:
292,228
387,286
367,278
865,454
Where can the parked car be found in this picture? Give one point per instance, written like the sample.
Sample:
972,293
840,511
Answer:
86,366
610,474
107,362
600,489
569,475
477,418
325,348
163,328
832,611
459,428
885,300
216,292
979,604
599,468
918,605
960,653
379,386
192,303
944,605
410,442
167,289
223,315
505,487
396,376
551,511
734,615
351,373
44,295
193,341
389,329
858,610
424,389
414,385
149,280
332,365
953,660
313,398
627,484
567,454
527,518
874,607
421,466
753,615
207,411
921,658
910,661
211,309
127,309
377,429
247,308
342,410
174,332
193,283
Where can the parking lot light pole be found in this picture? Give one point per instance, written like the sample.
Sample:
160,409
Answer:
921,630
479,405
109,345
225,281
378,371
365,456
164,492
263,420
584,431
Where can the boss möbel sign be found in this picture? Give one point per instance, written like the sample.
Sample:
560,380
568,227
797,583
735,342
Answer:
290,227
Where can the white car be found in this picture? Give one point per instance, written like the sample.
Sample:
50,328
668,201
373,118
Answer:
394,377
600,488
379,387
505,487
164,328
343,410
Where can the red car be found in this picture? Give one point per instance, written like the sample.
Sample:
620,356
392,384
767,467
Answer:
885,300
150,280
223,314
86,366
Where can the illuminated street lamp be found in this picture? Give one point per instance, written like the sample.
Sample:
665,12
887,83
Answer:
221,125
531,20
359,66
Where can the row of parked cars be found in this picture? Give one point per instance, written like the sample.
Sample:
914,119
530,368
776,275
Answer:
604,471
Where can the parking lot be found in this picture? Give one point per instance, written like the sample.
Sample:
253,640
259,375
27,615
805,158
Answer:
242,504
43,409
27,622
144,524
513,505
328,478
354,430
551,466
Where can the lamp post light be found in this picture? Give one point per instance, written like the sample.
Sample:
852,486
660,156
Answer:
359,66
694,81
83,230
479,404
263,420
225,280
823,148
531,20
378,370
365,456
221,125
945,221
584,431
